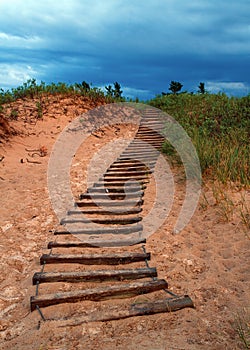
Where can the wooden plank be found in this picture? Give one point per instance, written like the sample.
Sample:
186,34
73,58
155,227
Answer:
117,189
112,221
117,177
97,244
98,294
114,231
116,184
125,167
132,310
110,196
139,157
127,173
110,203
94,276
140,154
105,212
94,259
130,163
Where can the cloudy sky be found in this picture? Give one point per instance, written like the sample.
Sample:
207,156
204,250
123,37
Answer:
142,44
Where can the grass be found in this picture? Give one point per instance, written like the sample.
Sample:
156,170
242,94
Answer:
242,328
219,127
31,89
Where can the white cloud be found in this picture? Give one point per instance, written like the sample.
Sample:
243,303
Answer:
15,75
15,41
227,87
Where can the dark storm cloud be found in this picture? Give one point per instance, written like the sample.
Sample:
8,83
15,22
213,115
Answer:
143,45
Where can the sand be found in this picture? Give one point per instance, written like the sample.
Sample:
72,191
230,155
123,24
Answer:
208,259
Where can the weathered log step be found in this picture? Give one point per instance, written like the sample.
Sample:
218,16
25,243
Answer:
132,163
148,126
123,180
150,139
126,173
91,231
136,154
105,212
120,184
139,157
155,127
97,244
151,121
94,276
147,150
98,294
129,167
117,189
143,149
148,133
110,203
154,144
110,196
138,141
107,221
124,176
119,312
94,259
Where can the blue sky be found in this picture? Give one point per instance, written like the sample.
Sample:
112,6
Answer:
142,44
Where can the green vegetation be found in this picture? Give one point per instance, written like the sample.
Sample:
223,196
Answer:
242,327
115,92
219,127
31,89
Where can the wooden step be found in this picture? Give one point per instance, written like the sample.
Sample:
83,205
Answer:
110,196
150,139
144,149
116,190
116,177
97,244
140,157
94,276
108,221
103,231
104,212
119,312
129,161
155,144
128,173
118,164
136,154
94,259
98,294
110,203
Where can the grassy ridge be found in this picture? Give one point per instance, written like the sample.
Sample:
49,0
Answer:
219,127
31,89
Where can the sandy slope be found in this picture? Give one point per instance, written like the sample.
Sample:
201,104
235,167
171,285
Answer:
209,259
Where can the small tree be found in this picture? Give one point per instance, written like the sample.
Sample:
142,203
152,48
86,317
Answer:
201,88
116,92
109,90
175,87
85,86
